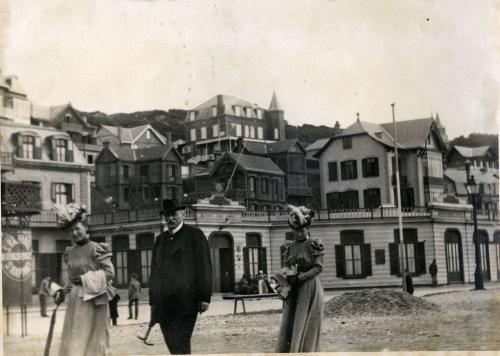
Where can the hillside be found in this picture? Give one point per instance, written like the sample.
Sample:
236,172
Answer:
477,139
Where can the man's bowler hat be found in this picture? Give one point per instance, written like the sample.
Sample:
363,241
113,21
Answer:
170,206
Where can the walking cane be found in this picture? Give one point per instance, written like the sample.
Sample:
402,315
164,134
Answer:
51,331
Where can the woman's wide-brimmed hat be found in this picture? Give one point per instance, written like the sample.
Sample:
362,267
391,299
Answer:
170,206
299,216
68,215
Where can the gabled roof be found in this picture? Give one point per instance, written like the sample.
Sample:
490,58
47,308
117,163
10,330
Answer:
127,153
317,145
470,152
251,163
131,134
412,133
258,148
375,131
459,177
283,146
229,102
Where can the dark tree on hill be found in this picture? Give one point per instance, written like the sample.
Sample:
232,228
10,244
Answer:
477,139
308,133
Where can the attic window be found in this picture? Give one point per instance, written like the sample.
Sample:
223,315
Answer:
379,134
68,117
192,116
237,110
148,134
214,111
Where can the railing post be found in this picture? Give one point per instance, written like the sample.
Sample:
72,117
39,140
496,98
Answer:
371,212
381,212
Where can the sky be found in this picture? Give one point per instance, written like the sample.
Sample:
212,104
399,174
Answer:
326,60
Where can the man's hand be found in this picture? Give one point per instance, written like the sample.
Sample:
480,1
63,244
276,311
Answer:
204,307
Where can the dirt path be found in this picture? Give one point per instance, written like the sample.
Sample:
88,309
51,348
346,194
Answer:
466,321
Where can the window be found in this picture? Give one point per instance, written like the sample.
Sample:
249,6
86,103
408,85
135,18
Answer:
171,173
414,253
259,114
215,130
203,133
260,133
192,115
350,199
348,170
371,198
62,193
237,110
148,134
265,186
90,159
334,200
192,133
332,171
126,194
8,102
347,142
125,171
254,255
144,170
120,245
370,167
247,134
251,184
353,256
28,146
252,132
214,111
238,130
276,134
144,243
61,150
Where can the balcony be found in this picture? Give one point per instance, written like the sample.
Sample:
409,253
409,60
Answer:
299,191
6,161
132,216
20,199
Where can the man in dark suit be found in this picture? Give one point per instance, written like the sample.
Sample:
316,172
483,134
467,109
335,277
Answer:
180,283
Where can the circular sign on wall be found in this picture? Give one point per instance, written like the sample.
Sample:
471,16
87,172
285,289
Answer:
16,255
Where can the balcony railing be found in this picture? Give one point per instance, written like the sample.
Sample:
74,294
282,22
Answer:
132,216
20,198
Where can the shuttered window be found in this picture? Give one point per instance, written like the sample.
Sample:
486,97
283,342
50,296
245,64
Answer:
254,255
332,172
353,256
63,193
413,252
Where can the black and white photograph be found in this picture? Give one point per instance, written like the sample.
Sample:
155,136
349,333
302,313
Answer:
241,177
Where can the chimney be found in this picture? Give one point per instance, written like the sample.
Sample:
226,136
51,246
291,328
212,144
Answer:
220,105
169,136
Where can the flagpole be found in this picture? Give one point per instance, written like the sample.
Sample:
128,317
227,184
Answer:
398,193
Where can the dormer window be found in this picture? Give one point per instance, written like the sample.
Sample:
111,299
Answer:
249,112
237,110
29,146
378,134
61,149
68,117
192,115
259,114
148,134
214,111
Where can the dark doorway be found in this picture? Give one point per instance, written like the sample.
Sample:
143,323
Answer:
485,254
454,257
222,254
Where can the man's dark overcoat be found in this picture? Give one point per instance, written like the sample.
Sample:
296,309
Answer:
181,272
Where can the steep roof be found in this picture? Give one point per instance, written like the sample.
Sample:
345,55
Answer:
229,102
126,153
255,163
411,133
275,105
129,134
459,177
47,113
471,152
259,148
375,131
283,146
317,145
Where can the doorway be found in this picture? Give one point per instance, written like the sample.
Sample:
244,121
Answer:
454,257
222,255
485,254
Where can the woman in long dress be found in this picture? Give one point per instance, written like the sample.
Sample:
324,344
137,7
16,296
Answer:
300,329
90,271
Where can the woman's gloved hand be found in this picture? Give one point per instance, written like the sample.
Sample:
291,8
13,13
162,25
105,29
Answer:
293,281
59,297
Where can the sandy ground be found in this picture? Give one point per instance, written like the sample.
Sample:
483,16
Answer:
466,320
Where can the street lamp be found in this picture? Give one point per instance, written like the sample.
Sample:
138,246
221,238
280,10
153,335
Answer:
472,190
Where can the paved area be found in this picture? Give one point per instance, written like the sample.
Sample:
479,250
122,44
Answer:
38,326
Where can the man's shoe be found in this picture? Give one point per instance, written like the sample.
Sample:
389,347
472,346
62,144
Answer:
129,318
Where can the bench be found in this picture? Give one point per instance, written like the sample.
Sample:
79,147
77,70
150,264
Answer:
243,297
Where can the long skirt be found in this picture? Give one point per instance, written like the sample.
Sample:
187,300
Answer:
85,330
300,329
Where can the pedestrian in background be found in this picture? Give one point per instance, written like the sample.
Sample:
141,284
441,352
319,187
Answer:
433,270
180,284
409,282
113,308
43,293
134,291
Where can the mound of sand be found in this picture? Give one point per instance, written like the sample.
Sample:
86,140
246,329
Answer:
377,302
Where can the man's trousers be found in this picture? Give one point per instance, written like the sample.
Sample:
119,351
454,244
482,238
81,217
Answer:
177,331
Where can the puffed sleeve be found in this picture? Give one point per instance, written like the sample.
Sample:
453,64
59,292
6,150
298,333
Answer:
316,251
102,254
